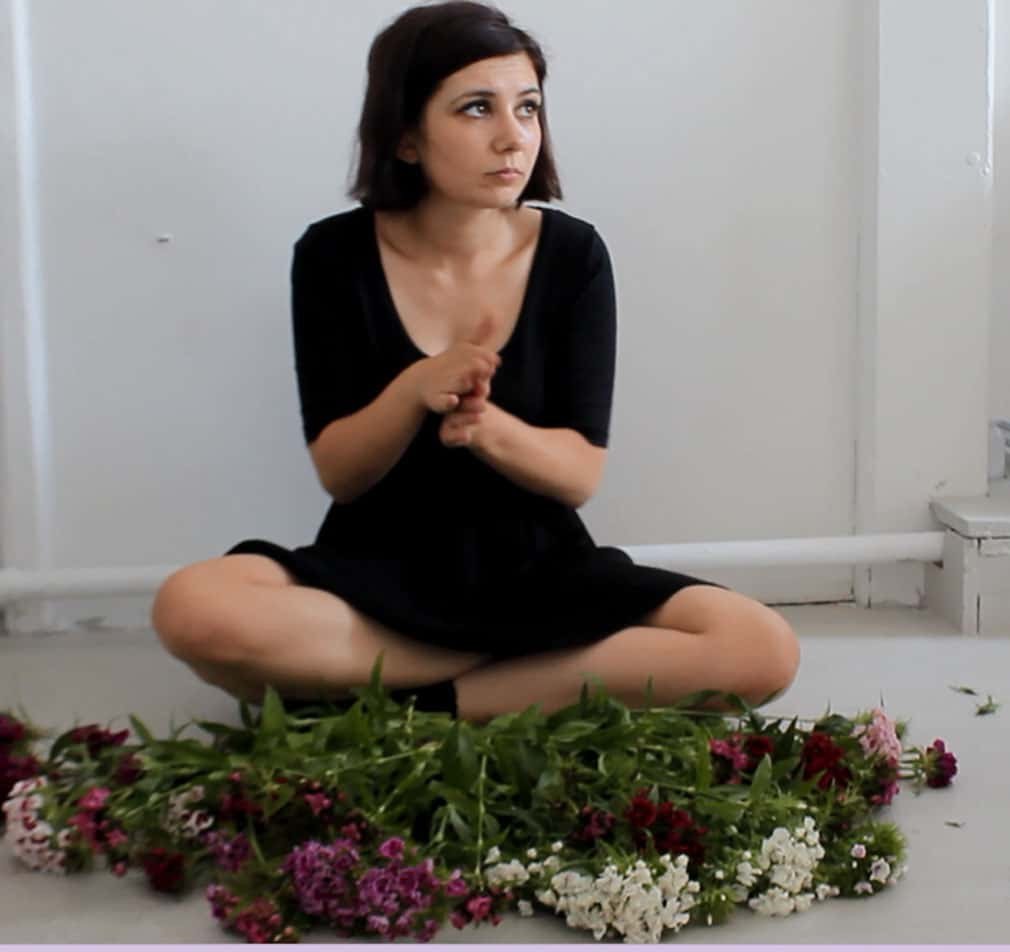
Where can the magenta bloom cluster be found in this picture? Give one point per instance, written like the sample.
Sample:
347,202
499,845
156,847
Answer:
391,900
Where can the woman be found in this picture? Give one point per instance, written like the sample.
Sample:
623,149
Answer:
455,356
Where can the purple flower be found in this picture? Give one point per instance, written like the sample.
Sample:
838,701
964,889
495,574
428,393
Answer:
221,901
318,875
230,854
392,848
455,885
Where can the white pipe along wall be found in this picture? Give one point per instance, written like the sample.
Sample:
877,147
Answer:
847,550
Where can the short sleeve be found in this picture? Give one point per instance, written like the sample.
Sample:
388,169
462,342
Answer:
328,341
580,383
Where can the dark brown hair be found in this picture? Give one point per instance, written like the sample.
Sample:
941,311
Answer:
406,63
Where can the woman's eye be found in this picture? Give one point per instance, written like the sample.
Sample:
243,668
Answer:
484,104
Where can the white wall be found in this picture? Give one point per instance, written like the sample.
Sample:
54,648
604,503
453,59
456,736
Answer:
999,371
720,148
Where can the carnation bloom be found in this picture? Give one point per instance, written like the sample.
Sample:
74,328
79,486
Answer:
880,737
11,730
96,738
821,755
941,765
165,870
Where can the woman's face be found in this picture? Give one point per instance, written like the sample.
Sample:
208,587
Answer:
480,119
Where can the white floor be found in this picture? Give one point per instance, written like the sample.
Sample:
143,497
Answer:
957,889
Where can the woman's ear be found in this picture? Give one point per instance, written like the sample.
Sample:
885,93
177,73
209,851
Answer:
407,150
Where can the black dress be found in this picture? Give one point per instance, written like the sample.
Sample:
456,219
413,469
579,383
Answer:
444,548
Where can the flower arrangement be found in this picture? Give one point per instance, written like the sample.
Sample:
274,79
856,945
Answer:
379,820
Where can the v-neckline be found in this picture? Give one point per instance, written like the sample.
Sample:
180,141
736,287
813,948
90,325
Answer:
387,292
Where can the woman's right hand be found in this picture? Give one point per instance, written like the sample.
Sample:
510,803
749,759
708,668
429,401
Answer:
465,368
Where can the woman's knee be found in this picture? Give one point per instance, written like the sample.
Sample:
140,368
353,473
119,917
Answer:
776,653
186,614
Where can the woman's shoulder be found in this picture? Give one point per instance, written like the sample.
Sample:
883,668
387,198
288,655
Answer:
575,239
340,229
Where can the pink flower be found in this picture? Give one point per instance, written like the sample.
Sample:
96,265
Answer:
318,802
478,907
880,738
458,919
95,798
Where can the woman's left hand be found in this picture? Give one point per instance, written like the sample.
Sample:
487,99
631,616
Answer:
460,426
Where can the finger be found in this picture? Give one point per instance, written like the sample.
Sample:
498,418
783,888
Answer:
484,331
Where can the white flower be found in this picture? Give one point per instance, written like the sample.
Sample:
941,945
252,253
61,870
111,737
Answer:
493,855
535,868
547,897
552,862
880,870
824,890
525,907
531,853
774,902
803,901
557,846
746,874
858,851
863,887
511,872
720,875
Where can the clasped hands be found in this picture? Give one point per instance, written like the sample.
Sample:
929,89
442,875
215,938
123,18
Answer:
457,384
459,426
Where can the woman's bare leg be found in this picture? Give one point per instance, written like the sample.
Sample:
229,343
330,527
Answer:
241,622
736,645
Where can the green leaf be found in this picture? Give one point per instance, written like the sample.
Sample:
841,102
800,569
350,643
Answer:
458,757
989,707
702,764
273,720
574,730
963,690
762,779
462,828
140,729
957,824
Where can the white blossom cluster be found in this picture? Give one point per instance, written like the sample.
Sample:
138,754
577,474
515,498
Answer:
788,861
28,836
881,871
634,903
183,822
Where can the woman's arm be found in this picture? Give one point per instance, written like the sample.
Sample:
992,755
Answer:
556,462
353,453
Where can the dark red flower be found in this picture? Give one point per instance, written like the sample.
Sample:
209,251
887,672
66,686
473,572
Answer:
941,765
97,738
11,730
641,812
821,755
165,870
756,746
13,769
596,824
128,769
235,807
681,835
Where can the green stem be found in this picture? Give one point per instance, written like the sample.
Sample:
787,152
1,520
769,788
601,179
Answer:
480,820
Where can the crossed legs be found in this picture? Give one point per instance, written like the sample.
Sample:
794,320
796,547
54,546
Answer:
242,621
